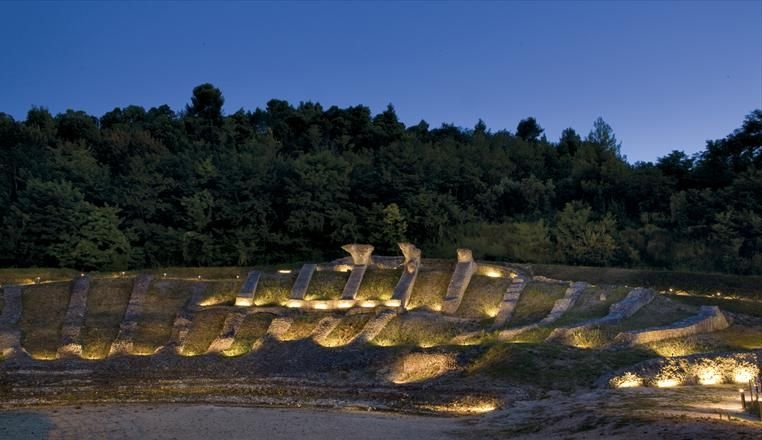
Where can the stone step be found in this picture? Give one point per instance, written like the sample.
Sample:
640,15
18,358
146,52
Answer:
245,296
302,281
354,281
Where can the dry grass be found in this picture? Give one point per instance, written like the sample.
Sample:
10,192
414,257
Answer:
430,288
378,284
483,297
536,302
302,326
421,330
106,303
274,289
326,284
221,292
678,346
43,310
206,273
661,311
735,337
348,328
163,301
29,275
253,328
206,326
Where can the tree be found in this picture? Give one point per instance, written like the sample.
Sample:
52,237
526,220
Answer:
529,130
583,240
602,135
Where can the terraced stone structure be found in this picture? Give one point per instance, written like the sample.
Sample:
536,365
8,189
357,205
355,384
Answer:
407,307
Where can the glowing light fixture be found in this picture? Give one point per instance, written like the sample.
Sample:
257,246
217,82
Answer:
667,383
284,271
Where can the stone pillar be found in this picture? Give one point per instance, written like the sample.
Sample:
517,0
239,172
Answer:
459,281
302,281
360,261
245,297
123,342
404,287
360,253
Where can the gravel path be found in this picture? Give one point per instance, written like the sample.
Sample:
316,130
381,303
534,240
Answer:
191,422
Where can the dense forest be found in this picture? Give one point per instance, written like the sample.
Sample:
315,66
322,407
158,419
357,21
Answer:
142,188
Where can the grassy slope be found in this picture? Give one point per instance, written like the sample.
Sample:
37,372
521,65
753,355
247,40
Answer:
483,297
207,325
378,284
254,326
430,287
693,282
535,302
347,329
106,303
274,289
165,298
43,311
326,284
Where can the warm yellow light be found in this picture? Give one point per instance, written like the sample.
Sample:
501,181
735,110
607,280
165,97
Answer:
239,302
742,375
709,376
437,307
492,311
343,268
345,303
284,271
632,383
493,274
627,380
295,304
392,303
667,383
320,305
368,304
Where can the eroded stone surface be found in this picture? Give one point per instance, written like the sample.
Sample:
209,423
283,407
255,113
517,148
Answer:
324,328
374,327
71,345
10,336
461,276
510,298
709,319
229,329
635,300
360,253
123,342
412,263
560,307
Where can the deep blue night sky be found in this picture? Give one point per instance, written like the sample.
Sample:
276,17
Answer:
664,75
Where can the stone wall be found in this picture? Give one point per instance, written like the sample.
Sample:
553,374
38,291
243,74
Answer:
635,300
411,264
123,342
510,298
709,319
71,344
10,335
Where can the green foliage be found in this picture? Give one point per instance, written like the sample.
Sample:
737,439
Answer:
154,187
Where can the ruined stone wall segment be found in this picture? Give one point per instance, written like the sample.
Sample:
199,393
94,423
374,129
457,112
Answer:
10,335
373,327
123,341
461,276
229,330
184,319
353,282
324,328
709,319
635,300
12,307
562,305
361,253
302,281
412,263
510,298
71,344
245,296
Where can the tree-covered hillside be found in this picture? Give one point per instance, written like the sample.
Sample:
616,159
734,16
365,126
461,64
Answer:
142,188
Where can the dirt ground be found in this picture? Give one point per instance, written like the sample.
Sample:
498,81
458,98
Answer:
678,413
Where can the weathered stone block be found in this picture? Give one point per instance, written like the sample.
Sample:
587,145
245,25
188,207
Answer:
360,253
